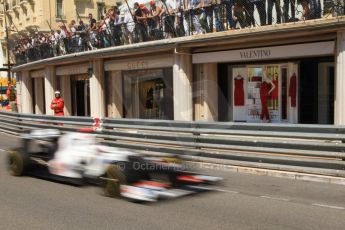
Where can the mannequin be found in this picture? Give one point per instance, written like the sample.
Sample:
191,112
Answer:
239,91
266,89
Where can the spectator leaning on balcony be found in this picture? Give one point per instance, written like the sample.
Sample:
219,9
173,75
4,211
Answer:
185,11
286,17
306,9
261,8
139,17
153,20
104,30
128,28
315,9
179,18
119,28
168,19
115,26
111,13
196,11
54,42
75,37
270,9
65,35
57,104
83,41
208,6
249,8
239,14
229,16
92,31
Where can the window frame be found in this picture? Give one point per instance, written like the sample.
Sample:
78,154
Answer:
59,12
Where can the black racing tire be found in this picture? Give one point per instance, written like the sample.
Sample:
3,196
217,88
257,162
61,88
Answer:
17,163
112,187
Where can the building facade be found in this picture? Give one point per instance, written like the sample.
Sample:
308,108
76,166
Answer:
283,73
25,17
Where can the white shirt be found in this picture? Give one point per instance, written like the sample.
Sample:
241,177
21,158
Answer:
118,20
55,38
172,5
63,34
106,25
57,35
129,21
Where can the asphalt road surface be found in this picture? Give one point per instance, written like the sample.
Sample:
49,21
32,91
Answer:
243,202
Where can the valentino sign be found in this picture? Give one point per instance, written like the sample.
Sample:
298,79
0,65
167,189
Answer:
260,53
266,53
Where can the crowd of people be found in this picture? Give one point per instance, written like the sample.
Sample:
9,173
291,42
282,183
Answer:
161,19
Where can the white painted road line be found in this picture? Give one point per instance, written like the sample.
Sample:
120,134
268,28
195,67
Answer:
2,150
274,198
227,191
328,206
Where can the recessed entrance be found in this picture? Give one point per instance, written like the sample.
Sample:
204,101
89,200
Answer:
80,95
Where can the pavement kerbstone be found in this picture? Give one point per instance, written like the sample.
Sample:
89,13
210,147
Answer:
255,171
272,173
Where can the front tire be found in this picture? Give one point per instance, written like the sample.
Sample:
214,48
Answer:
17,165
114,179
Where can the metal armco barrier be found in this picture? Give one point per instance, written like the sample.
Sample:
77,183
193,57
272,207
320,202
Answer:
315,149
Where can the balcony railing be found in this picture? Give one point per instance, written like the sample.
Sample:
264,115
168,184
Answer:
227,15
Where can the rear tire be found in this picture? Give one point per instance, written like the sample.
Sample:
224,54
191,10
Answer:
17,164
116,179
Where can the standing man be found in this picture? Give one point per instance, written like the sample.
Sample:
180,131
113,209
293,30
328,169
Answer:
270,9
57,104
93,31
140,14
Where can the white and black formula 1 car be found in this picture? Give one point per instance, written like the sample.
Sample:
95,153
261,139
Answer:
79,158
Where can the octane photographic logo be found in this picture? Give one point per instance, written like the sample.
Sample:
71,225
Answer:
147,166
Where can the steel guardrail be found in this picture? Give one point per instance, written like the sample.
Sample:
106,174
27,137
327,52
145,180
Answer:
313,148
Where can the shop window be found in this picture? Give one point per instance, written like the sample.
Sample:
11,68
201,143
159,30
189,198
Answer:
257,93
148,94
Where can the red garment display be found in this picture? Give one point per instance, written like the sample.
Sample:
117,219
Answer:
8,92
274,94
293,90
57,105
264,93
239,92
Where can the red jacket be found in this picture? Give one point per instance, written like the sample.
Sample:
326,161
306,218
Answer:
57,105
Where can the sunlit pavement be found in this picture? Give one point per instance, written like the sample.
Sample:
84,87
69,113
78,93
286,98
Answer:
242,202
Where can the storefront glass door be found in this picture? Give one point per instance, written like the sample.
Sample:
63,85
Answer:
326,93
148,94
80,96
316,92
